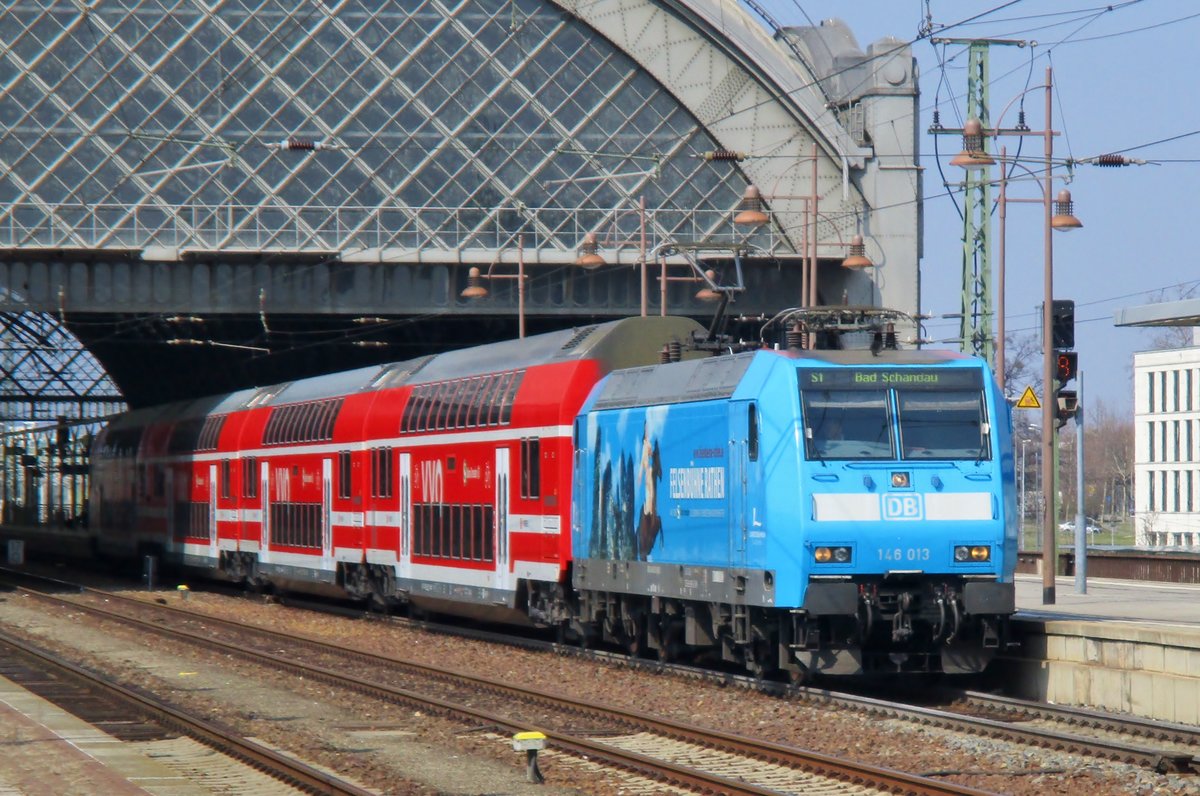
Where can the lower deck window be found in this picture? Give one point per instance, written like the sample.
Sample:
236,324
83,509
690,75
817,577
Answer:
454,531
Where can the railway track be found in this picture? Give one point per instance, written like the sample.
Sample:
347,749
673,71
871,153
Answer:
674,754
1159,746
134,716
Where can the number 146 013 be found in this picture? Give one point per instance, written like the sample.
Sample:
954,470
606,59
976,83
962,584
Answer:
903,553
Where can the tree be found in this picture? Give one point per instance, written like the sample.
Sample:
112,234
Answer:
1022,363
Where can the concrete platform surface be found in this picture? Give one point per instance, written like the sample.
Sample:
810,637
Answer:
1135,601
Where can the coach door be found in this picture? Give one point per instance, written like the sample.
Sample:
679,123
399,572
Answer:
405,476
503,567
212,510
264,489
172,501
326,507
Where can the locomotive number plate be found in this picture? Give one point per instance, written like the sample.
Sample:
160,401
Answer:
897,554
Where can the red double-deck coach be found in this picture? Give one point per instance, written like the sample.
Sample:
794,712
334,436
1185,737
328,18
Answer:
443,481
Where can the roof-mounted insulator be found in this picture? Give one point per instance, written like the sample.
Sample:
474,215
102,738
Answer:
795,336
674,350
664,356
724,154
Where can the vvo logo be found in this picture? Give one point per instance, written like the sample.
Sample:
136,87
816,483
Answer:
903,507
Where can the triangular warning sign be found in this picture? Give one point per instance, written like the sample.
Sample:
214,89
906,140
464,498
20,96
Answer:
1028,400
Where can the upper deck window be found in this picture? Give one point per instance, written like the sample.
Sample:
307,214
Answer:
943,425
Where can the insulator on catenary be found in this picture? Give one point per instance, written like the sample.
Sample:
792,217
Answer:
724,154
1111,160
300,144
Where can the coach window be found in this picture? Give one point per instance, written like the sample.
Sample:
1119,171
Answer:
320,419
445,415
421,411
381,472
491,408
429,412
226,478
531,475
343,474
511,386
291,423
250,477
450,399
462,397
479,401
323,428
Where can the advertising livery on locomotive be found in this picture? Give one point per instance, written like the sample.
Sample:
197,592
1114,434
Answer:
789,511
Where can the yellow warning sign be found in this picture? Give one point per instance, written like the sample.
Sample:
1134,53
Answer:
1028,400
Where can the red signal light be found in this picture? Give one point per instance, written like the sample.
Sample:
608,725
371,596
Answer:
1066,366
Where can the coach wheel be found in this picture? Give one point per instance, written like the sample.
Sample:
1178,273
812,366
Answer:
801,675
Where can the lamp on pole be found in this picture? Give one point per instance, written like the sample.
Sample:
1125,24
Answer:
476,290
751,214
1054,210
1063,219
589,251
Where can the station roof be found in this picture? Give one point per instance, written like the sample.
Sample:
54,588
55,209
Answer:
1163,313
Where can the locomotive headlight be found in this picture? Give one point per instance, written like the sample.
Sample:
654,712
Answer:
972,553
900,480
836,555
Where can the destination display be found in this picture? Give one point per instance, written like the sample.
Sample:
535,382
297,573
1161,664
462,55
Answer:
876,378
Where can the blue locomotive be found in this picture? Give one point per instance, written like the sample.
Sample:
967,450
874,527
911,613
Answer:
805,511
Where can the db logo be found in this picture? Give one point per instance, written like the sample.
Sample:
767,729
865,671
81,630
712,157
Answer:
903,507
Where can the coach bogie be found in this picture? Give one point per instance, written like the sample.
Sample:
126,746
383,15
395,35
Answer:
372,583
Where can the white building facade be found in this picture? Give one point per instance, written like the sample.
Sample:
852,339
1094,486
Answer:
1166,397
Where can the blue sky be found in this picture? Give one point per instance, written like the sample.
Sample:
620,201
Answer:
1125,81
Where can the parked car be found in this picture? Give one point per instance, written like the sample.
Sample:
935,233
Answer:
1069,526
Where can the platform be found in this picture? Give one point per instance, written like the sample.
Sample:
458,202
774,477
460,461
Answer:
50,751
1136,601
1129,646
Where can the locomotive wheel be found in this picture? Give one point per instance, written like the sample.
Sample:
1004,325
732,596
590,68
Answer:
757,658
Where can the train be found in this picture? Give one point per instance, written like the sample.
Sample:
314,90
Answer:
783,510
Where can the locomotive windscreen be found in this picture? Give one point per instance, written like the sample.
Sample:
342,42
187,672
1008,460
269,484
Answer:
942,425
859,413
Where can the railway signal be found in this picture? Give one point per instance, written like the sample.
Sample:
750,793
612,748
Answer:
1062,329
